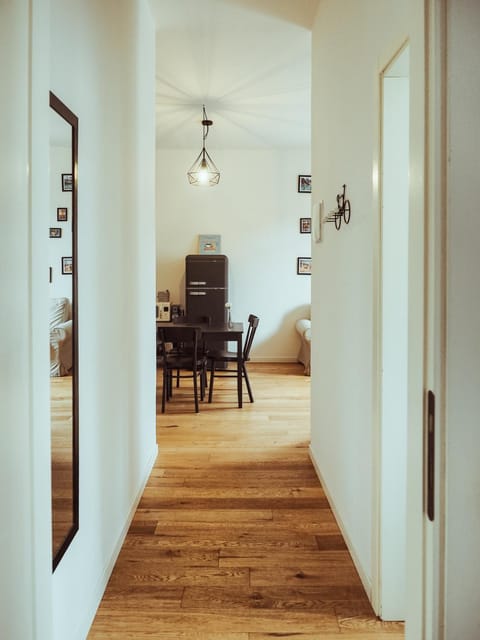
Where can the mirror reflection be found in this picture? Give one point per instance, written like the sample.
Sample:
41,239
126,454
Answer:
62,338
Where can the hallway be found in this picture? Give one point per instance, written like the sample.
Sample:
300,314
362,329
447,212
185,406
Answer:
233,538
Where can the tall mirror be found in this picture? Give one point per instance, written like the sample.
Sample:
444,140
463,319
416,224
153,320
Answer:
63,325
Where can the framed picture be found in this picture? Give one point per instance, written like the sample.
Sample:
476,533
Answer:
67,265
304,266
305,225
304,184
67,182
62,214
55,232
209,244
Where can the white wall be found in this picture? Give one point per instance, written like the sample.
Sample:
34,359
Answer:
25,576
256,210
102,67
462,611
345,149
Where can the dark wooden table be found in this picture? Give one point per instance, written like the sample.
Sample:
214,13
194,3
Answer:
227,332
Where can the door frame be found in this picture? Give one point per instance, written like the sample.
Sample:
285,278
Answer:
378,480
427,327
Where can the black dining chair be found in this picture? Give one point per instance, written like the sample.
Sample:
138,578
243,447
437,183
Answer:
220,357
180,351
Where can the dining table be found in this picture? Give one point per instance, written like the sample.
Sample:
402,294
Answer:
226,331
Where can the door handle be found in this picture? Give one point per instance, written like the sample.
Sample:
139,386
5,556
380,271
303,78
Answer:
430,457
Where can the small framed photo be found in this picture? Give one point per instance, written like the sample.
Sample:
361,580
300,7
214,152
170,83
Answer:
304,184
209,244
55,232
305,225
62,214
67,265
67,182
304,266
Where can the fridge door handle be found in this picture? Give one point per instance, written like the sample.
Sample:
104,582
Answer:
197,293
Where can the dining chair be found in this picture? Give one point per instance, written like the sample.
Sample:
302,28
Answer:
220,357
180,351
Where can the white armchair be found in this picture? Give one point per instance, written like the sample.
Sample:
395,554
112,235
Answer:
61,348
303,327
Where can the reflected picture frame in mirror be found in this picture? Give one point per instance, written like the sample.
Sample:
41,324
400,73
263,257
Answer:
65,498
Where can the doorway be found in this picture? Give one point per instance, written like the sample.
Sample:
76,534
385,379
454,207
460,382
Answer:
390,581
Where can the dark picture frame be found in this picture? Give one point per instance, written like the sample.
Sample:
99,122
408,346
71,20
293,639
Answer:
67,182
304,266
305,225
62,214
55,232
67,265
304,184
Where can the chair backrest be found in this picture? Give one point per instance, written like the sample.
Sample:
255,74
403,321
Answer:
252,328
183,339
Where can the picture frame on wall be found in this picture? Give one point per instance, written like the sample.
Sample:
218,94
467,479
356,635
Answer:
209,244
305,225
304,184
304,266
67,182
55,232
62,214
67,265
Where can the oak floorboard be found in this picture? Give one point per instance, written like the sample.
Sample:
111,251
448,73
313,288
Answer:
233,538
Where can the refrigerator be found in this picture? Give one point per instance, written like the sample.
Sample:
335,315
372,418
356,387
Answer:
206,290
206,287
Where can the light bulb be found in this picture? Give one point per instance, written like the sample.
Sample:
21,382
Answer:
203,172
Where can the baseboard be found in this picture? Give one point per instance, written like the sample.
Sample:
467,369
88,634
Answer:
367,585
273,359
99,588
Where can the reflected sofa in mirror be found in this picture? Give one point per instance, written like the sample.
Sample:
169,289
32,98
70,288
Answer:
62,239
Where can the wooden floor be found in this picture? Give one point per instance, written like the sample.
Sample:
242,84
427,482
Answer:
233,538
62,461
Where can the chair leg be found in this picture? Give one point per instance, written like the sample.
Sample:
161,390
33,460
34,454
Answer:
164,389
247,382
203,383
212,376
195,391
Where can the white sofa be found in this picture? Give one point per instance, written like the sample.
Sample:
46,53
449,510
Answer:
303,327
61,349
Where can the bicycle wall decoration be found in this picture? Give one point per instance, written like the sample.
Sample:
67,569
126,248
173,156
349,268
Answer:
343,211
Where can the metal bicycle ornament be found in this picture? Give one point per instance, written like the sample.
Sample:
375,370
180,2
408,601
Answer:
343,210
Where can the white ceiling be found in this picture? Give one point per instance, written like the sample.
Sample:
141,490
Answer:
248,61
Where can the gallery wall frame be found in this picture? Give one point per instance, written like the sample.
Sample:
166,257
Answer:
67,265
305,225
304,266
304,184
62,214
67,182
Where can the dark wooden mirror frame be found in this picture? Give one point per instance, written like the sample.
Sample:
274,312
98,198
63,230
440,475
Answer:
64,112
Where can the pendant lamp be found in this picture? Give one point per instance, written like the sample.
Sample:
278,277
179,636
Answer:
203,172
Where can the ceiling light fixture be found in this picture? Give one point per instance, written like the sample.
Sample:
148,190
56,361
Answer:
203,172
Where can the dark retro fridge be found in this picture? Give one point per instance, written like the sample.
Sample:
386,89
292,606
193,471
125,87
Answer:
206,288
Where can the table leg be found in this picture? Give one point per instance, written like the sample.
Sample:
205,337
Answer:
239,371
